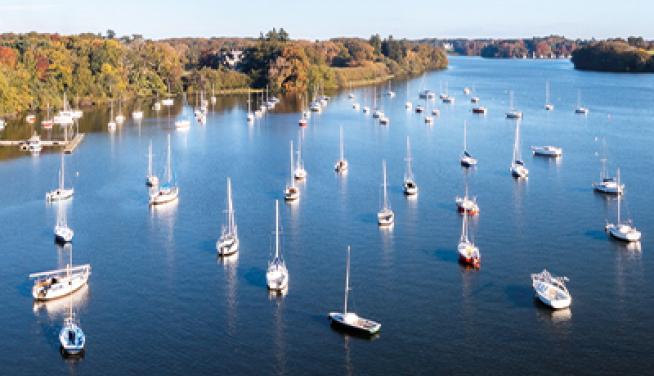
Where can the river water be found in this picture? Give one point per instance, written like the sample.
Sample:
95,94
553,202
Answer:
160,302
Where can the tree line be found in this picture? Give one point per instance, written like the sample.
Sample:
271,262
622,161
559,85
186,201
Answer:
35,68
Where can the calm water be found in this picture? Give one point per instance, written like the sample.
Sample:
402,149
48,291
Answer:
160,302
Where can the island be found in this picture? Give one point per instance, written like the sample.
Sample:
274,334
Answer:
633,55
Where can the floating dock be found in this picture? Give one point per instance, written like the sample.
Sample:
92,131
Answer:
72,144
68,146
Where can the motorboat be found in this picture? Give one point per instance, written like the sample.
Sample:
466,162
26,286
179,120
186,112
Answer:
551,290
547,151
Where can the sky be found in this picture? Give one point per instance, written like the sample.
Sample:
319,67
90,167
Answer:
310,19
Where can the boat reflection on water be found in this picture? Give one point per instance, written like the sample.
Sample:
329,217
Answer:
279,339
57,308
554,316
230,264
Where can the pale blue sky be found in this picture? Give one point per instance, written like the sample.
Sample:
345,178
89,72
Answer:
310,19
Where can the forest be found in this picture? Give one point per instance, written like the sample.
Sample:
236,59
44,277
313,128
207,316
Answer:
36,69
633,55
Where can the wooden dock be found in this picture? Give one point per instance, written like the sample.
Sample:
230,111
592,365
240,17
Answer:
68,146
72,144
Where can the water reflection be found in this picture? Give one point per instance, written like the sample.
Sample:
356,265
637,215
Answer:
58,308
279,337
230,264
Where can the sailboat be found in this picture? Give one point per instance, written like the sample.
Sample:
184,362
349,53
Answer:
54,284
303,122
341,165
168,191
71,336
213,95
551,290
410,187
512,113
277,274
48,122
468,251
446,98
291,193
137,114
351,94
466,204
151,180
518,168
61,193
580,109
466,158
111,125
548,105
350,320
250,115
607,184
120,118
408,105
228,242
376,113
624,231
300,173
62,233
390,93
385,216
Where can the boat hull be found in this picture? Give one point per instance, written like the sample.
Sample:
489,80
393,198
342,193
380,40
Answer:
227,247
337,320
62,287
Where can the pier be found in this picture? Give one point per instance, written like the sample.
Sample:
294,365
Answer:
68,145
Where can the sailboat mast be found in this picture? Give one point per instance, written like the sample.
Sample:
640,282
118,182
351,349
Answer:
511,100
169,175
619,195
61,173
547,92
385,195
465,135
276,229
516,145
150,159
409,173
292,152
341,144
347,279
464,226
230,211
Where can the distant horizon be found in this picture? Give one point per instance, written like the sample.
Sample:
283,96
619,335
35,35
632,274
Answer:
312,20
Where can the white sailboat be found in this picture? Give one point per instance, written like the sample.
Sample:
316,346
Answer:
376,113
466,158
551,290
408,105
62,233
607,184
120,118
518,169
385,216
291,193
512,113
466,204
277,274
300,173
341,165
548,105
54,284
168,191
71,337
620,230
111,125
410,187
350,320
390,93
151,180
250,115
61,193
468,251
580,109
228,242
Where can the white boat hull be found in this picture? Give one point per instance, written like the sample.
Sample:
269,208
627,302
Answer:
59,194
53,288
227,245
163,197
623,232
